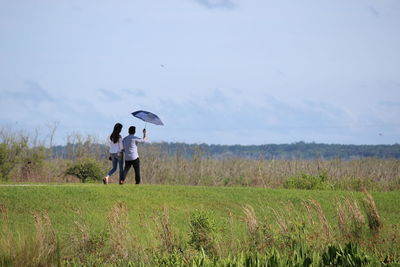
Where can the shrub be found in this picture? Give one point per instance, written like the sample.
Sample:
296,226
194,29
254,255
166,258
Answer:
308,182
356,184
86,170
10,152
5,165
15,154
350,255
202,231
32,162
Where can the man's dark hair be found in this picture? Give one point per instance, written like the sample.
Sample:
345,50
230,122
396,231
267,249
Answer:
132,130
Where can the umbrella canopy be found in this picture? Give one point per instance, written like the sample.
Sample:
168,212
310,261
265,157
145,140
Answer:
147,117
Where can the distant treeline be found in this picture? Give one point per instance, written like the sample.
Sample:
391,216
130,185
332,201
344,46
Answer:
298,150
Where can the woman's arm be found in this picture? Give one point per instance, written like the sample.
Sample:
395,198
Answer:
121,146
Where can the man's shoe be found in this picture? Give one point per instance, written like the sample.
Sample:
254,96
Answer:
121,182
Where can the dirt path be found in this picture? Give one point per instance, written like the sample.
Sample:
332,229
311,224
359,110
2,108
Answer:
4,185
31,185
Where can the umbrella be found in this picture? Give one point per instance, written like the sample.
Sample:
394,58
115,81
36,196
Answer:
147,117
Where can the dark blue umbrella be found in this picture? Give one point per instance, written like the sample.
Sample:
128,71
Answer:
147,117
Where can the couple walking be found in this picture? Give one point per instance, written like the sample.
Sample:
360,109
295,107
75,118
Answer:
128,146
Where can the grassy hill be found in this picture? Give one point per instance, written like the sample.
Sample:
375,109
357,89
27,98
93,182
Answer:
149,213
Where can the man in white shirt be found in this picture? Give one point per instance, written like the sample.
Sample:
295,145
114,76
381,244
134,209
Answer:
131,153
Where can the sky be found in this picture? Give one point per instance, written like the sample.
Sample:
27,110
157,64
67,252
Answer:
214,71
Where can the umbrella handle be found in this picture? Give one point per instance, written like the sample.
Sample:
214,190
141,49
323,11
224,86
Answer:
144,130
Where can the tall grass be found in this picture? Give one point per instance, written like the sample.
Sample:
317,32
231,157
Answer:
374,219
26,249
351,219
291,237
168,239
28,159
373,174
314,207
252,227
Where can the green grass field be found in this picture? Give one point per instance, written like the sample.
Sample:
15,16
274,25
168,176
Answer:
91,204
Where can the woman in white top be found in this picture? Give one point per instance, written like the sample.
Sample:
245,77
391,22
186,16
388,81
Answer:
116,152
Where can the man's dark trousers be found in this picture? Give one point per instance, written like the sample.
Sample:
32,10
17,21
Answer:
136,166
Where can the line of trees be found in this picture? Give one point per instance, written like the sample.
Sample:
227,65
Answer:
298,150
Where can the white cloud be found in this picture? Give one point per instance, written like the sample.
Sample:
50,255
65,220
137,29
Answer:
30,92
109,95
137,92
216,3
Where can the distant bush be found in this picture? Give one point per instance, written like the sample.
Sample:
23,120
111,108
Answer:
32,162
308,182
5,165
356,184
320,182
86,170
10,155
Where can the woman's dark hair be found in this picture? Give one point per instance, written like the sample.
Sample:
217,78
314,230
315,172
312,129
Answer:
114,137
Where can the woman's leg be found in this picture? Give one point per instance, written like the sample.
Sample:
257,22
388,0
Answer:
114,165
114,168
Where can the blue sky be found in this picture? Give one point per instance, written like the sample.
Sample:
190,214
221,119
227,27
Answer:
215,71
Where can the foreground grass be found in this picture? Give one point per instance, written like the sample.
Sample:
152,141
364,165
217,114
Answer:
94,212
